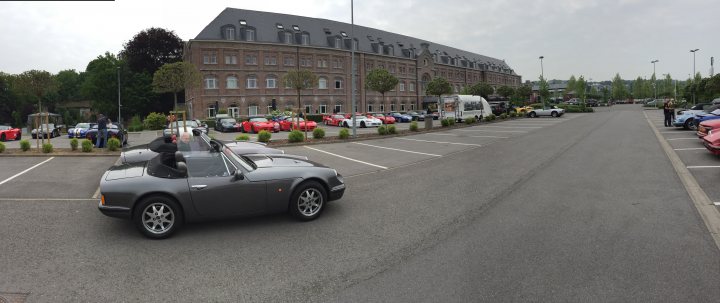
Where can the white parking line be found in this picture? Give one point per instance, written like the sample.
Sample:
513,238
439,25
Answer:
512,126
454,135
694,148
681,139
27,170
704,166
346,158
716,203
47,199
441,142
491,131
397,149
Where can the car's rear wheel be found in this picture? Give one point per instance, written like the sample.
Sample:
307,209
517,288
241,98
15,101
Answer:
157,217
308,201
362,124
532,114
19,136
2,137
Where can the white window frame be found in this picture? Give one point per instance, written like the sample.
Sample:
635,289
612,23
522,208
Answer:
308,109
392,107
271,82
338,43
250,59
402,107
305,39
412,86
271,60
322,83
228,82
338,83
229,33
382,108
412,106
402,86
211,111
323,108
250,35
234,111
337,108
370,108
230,59
252,110
251,82
287,38
211,83
213,58
289,61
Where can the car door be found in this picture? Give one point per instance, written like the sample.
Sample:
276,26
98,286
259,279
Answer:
216,192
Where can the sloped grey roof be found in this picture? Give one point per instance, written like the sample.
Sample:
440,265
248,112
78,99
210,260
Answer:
265,25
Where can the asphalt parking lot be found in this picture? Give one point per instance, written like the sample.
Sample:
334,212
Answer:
703,165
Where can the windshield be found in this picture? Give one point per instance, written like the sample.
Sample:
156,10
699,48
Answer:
258,120
82,125
179,124
4,127
226,121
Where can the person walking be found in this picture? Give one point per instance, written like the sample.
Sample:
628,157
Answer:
102,131
667,111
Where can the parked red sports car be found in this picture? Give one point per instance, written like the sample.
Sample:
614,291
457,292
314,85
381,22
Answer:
712,142
9,133
385,119
707,126
290,124
335,120
256,124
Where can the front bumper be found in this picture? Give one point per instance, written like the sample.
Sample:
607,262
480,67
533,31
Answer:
336,192
114,211
712,148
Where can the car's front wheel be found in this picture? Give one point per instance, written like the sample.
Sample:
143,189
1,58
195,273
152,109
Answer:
362,124
308,201
532,114
157,217
690,124
554,114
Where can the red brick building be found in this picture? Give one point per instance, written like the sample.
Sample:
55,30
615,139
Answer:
243,55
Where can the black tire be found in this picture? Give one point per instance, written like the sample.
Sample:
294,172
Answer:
163,209
554,114
253,130
532,114
2,137
690,124
34,136
362,124
307,201
345,124
19,136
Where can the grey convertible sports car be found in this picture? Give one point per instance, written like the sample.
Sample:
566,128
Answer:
161,194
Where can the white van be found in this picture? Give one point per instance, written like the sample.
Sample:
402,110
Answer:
462,107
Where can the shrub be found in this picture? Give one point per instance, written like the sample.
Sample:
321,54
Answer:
503,116
413,126
113,144
2,147
513,114
344,134
445,122
87,146
382,130
296,136
318,133
24,145
210,123
391,129
264,136
314,117
135,124
470,120
47,148
74,143
452,121
242,137
155,121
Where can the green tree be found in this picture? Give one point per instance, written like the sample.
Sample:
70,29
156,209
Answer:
438,87
175,78
8,100
619,91
152,48
505,91
68,85
299,80
481,89
544,90
381,81
637,88
579,88
571,84
523,92
38,84
100,84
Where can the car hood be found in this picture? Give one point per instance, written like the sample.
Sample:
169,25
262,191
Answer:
127,170
267,161
713,138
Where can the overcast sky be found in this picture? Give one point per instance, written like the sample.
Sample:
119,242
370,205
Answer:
594,38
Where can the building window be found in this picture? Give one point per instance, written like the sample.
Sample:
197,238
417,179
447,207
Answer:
402,107
250,59
305,39
234,111
370,108
307,62
250,35
210,58
338,108
338,43
355,44
230,59
382,108
288,38
322,63
252,110
322,83
289,61
231,82
338,83
412,106
402,86
230,33
392,107
287,84
272,60
271,82
323,109
251,82
210,82
308,109
412,87
211,112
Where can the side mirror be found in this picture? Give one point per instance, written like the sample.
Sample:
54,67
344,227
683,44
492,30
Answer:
238,175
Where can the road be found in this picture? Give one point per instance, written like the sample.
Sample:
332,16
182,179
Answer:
586,207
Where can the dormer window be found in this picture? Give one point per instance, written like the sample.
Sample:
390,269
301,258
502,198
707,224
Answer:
229,33
338,42
305,39
250,34
279,26
287,38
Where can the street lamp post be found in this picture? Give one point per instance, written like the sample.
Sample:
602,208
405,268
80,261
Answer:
352,68
654,81
693,75
118,80
542,77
